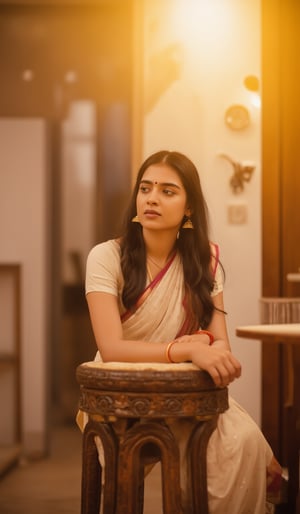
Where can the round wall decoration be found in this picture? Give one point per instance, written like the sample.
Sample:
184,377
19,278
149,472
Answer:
237,117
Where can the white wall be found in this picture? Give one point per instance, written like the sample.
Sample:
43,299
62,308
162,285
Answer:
23,236
216,45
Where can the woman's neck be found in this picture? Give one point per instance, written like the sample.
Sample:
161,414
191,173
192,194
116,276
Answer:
159,246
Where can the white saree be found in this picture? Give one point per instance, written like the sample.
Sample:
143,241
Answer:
238,454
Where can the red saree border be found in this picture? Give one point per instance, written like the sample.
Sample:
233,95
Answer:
216,258
188,325
126,315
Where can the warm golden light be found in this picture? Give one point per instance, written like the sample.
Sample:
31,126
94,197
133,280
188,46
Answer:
189,16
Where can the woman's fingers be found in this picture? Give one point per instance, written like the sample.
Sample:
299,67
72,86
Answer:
228,369
221,376
222,366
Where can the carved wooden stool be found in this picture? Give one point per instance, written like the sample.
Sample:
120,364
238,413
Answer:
128,407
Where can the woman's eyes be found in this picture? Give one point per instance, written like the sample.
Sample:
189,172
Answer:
144,189
147,189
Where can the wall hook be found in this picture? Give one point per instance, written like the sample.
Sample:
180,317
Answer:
241,173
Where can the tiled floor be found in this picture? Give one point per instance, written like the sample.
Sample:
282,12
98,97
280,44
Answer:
52,485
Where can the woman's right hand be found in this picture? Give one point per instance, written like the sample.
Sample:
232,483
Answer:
220,363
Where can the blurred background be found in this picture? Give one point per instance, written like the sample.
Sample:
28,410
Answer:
88,90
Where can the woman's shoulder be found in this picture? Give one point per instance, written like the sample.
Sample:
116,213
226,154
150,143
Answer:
108,245
109,248
103,269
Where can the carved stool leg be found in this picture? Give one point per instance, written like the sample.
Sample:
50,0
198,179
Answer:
141,491
197,472
129,472
91,474
91,488
124,394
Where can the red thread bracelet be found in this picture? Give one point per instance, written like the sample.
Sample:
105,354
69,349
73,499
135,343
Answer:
209,334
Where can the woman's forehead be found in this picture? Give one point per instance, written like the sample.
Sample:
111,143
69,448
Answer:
161,173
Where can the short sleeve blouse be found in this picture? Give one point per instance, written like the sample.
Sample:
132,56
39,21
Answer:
103,270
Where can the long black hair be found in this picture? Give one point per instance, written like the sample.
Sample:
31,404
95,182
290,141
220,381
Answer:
192,244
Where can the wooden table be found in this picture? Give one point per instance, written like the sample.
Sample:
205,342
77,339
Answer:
288,335
293,277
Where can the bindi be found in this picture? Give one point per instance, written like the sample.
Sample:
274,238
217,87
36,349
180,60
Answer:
163,184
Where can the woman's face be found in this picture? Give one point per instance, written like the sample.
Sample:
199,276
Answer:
161,200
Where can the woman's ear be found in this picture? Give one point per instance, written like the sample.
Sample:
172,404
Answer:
188,212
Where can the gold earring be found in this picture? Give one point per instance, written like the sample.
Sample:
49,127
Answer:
188,224
135,219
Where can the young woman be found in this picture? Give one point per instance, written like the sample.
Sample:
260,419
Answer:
155,295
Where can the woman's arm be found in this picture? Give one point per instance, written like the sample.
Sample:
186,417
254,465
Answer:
107,328
217,358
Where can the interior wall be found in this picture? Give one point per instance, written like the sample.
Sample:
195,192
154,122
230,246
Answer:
197,55
24,236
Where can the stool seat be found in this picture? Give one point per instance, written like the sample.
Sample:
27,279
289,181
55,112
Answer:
102,383
130,407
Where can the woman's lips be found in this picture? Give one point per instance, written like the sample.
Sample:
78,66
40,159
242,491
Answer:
151,214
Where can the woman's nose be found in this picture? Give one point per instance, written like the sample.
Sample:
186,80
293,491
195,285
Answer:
151,201
152,198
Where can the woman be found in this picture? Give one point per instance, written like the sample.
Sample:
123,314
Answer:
155,295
